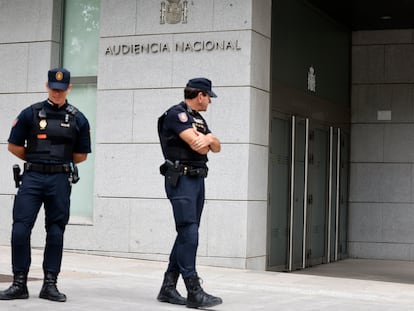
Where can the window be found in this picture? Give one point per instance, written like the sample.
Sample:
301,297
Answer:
80,48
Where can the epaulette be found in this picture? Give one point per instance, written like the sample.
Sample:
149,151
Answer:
71,109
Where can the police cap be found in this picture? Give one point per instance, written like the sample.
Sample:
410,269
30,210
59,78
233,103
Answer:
58,78
202,84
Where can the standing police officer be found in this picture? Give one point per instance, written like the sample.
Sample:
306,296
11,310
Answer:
185,141
51,136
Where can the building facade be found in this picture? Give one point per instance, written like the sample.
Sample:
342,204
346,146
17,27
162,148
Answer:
314,121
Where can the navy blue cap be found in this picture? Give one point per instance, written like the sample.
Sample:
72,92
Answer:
58,79
202,84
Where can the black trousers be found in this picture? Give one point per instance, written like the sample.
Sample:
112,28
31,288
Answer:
53,191
187,200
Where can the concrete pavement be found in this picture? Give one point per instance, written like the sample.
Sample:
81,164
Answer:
107,283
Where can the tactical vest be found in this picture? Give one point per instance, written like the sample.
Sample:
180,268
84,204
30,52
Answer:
53,134
174,148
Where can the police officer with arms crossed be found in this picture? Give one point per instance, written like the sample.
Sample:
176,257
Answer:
185,141
51,136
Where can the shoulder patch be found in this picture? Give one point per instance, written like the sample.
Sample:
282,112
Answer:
182,116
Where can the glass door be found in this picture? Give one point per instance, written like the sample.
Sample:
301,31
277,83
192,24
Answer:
342,200
279,196
332,195
317,185
308,191
287,193
297,208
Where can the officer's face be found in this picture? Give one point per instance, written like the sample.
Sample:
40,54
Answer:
203,101
58,96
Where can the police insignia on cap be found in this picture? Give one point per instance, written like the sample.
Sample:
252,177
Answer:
43,124
182,116
59,76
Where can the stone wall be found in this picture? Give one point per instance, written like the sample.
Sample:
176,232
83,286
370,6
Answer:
226,41
382,146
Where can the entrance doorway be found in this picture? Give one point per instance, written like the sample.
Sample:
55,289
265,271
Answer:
308,191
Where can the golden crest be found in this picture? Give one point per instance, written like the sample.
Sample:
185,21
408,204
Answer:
43,124
59,76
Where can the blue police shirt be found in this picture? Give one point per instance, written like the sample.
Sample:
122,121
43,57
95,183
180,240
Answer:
24,122
181,117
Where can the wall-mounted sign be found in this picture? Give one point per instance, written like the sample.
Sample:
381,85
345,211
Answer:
173,12
178,47
384,115
311,79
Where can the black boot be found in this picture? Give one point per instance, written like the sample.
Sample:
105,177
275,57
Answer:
197,297
168,291
49,289
18,289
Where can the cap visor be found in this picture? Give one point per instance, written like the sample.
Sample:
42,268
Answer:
58,86
212,94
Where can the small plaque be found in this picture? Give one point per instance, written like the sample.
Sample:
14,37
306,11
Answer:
384,115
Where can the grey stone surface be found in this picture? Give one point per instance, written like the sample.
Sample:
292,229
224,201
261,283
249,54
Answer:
380,182
382,37
368,64
116,19
381,171
367,143
399,64
24,21
108,283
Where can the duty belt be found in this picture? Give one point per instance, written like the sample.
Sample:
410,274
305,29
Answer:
194,171
47,168
175,168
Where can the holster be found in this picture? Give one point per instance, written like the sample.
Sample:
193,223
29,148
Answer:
74,173
171,171
16,175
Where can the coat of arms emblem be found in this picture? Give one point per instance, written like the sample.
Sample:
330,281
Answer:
311,79
173,12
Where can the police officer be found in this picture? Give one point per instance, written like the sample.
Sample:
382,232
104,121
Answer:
185,141
51,136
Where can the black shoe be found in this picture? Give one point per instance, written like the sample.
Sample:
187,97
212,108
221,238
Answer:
168,292
49,290
18,289
197,297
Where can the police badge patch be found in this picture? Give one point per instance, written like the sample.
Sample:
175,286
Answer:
182,116
59,76
42,124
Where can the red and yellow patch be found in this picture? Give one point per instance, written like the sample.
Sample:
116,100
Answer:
182,116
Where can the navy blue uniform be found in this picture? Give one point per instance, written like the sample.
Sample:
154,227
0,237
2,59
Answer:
185,141
51,135
187,196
